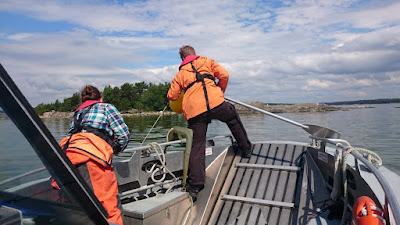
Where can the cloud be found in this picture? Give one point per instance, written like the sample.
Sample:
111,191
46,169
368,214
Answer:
276,51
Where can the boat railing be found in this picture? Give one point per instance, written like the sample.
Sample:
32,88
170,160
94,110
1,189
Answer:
390,198
21,176
173,134
131,150
181,141
326,135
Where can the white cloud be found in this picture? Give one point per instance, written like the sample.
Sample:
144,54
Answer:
288,51
317,84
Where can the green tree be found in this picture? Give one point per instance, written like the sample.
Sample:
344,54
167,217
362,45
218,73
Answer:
112,95
71,103
127,91
139,106
140,88
57,105
155,98
141,96
107,94
75,101
115,97
124,104
42,108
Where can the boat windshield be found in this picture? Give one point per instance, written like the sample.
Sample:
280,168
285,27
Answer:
29,155
26,191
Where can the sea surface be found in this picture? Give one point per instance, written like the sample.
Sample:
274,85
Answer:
376,128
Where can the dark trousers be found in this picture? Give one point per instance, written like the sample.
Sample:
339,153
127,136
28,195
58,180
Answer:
226,113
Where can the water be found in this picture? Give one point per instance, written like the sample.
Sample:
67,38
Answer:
377,129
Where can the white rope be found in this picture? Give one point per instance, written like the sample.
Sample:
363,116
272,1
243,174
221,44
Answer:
336,180
368,154
153,125
189,211
155,146
161,157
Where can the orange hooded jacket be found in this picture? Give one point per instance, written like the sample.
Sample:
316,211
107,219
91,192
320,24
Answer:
194,101
97,154
88,145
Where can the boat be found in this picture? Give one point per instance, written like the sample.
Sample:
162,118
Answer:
325,181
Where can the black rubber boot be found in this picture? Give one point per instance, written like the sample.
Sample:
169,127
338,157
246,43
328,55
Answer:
246,153
194,190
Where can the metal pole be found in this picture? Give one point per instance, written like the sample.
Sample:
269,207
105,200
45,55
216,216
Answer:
22,176
182,141
269,113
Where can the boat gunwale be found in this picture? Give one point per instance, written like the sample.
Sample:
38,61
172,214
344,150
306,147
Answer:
390,197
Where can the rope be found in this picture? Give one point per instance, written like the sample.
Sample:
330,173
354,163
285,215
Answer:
189,211
154,125
155,146
371,156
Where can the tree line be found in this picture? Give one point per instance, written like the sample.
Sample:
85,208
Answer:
371,101
140,96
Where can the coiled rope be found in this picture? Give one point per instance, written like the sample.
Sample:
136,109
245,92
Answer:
160,168
161,157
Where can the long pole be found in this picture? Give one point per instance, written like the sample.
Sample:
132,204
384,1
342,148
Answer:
268,113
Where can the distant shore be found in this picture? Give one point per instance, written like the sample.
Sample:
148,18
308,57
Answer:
67,115
295,108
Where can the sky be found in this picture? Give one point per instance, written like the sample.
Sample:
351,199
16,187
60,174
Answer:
301,51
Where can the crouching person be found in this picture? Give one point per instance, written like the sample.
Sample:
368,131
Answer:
97,131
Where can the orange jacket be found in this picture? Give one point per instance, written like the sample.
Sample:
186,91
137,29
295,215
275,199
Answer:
194,101
97,154
88,145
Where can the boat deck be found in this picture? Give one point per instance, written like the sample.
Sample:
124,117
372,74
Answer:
262,189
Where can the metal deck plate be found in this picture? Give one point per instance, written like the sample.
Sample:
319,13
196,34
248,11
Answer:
262,192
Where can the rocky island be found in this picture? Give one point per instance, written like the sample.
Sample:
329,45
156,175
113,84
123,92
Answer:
62,115
289,108
295,108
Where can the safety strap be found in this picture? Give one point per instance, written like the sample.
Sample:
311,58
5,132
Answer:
104,135
98,132
77,125
200,77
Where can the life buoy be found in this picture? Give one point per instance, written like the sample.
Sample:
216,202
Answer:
176,105
365,212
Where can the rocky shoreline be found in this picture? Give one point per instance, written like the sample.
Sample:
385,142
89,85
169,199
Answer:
66,115
296,108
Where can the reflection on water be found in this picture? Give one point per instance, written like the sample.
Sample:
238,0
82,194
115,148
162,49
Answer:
377,129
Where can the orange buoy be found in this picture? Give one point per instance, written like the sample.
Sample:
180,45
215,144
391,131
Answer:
365,212
176,105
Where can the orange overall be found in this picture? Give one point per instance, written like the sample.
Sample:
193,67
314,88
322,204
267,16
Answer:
92,157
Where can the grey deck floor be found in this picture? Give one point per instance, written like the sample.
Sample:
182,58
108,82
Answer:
262,188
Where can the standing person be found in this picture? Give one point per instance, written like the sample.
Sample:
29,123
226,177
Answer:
202,102
97,131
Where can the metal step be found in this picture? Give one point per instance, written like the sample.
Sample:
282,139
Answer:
273,167
257,201
260,189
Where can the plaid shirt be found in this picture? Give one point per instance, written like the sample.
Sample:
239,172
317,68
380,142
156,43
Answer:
105,116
